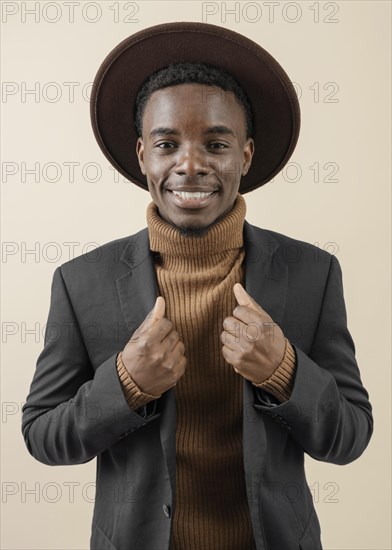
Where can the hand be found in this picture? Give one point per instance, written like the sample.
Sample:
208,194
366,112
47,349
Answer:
154,355
252,343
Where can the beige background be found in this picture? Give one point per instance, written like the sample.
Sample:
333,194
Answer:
347,60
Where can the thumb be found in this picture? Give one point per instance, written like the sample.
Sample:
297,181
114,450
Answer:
244,299
157,312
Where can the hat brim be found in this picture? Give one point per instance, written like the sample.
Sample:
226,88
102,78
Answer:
272,96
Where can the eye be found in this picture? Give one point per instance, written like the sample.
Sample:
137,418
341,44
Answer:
165,145
217,145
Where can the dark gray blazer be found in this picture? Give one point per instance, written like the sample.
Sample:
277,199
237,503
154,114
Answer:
76,409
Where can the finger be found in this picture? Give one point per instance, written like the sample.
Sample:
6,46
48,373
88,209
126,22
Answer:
172,339
244,299
158,331
176,359
250,316
178,351
157,312
234,326
229,340
229,357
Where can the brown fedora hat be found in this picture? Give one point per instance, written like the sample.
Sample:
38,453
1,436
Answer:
271,94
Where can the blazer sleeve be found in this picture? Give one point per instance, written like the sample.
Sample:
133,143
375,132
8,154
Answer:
328,413
72,413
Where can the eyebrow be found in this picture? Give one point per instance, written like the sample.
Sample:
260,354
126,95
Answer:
163,130
219,130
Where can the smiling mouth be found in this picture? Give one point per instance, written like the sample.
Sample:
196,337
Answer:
192,199
192,194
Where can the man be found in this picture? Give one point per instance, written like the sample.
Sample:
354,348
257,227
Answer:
220,351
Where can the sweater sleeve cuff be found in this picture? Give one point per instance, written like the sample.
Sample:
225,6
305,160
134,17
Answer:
134,396
281,382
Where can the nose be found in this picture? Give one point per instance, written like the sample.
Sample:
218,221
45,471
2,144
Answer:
191,162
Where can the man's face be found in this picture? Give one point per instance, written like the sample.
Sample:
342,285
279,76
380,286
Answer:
194,140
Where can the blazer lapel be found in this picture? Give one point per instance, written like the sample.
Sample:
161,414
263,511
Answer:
266,281
138,290
265,271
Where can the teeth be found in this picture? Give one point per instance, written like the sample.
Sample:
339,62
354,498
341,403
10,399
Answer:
188,195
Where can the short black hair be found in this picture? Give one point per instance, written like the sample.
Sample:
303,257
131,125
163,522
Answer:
184,73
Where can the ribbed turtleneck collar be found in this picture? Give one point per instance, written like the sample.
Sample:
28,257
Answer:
226,234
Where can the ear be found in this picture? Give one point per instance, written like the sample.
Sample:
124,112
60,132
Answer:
249,148
140,154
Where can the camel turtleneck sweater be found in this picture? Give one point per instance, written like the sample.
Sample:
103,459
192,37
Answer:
196,276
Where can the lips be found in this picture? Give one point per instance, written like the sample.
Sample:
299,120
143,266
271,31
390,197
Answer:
192,194
191,202
194,190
